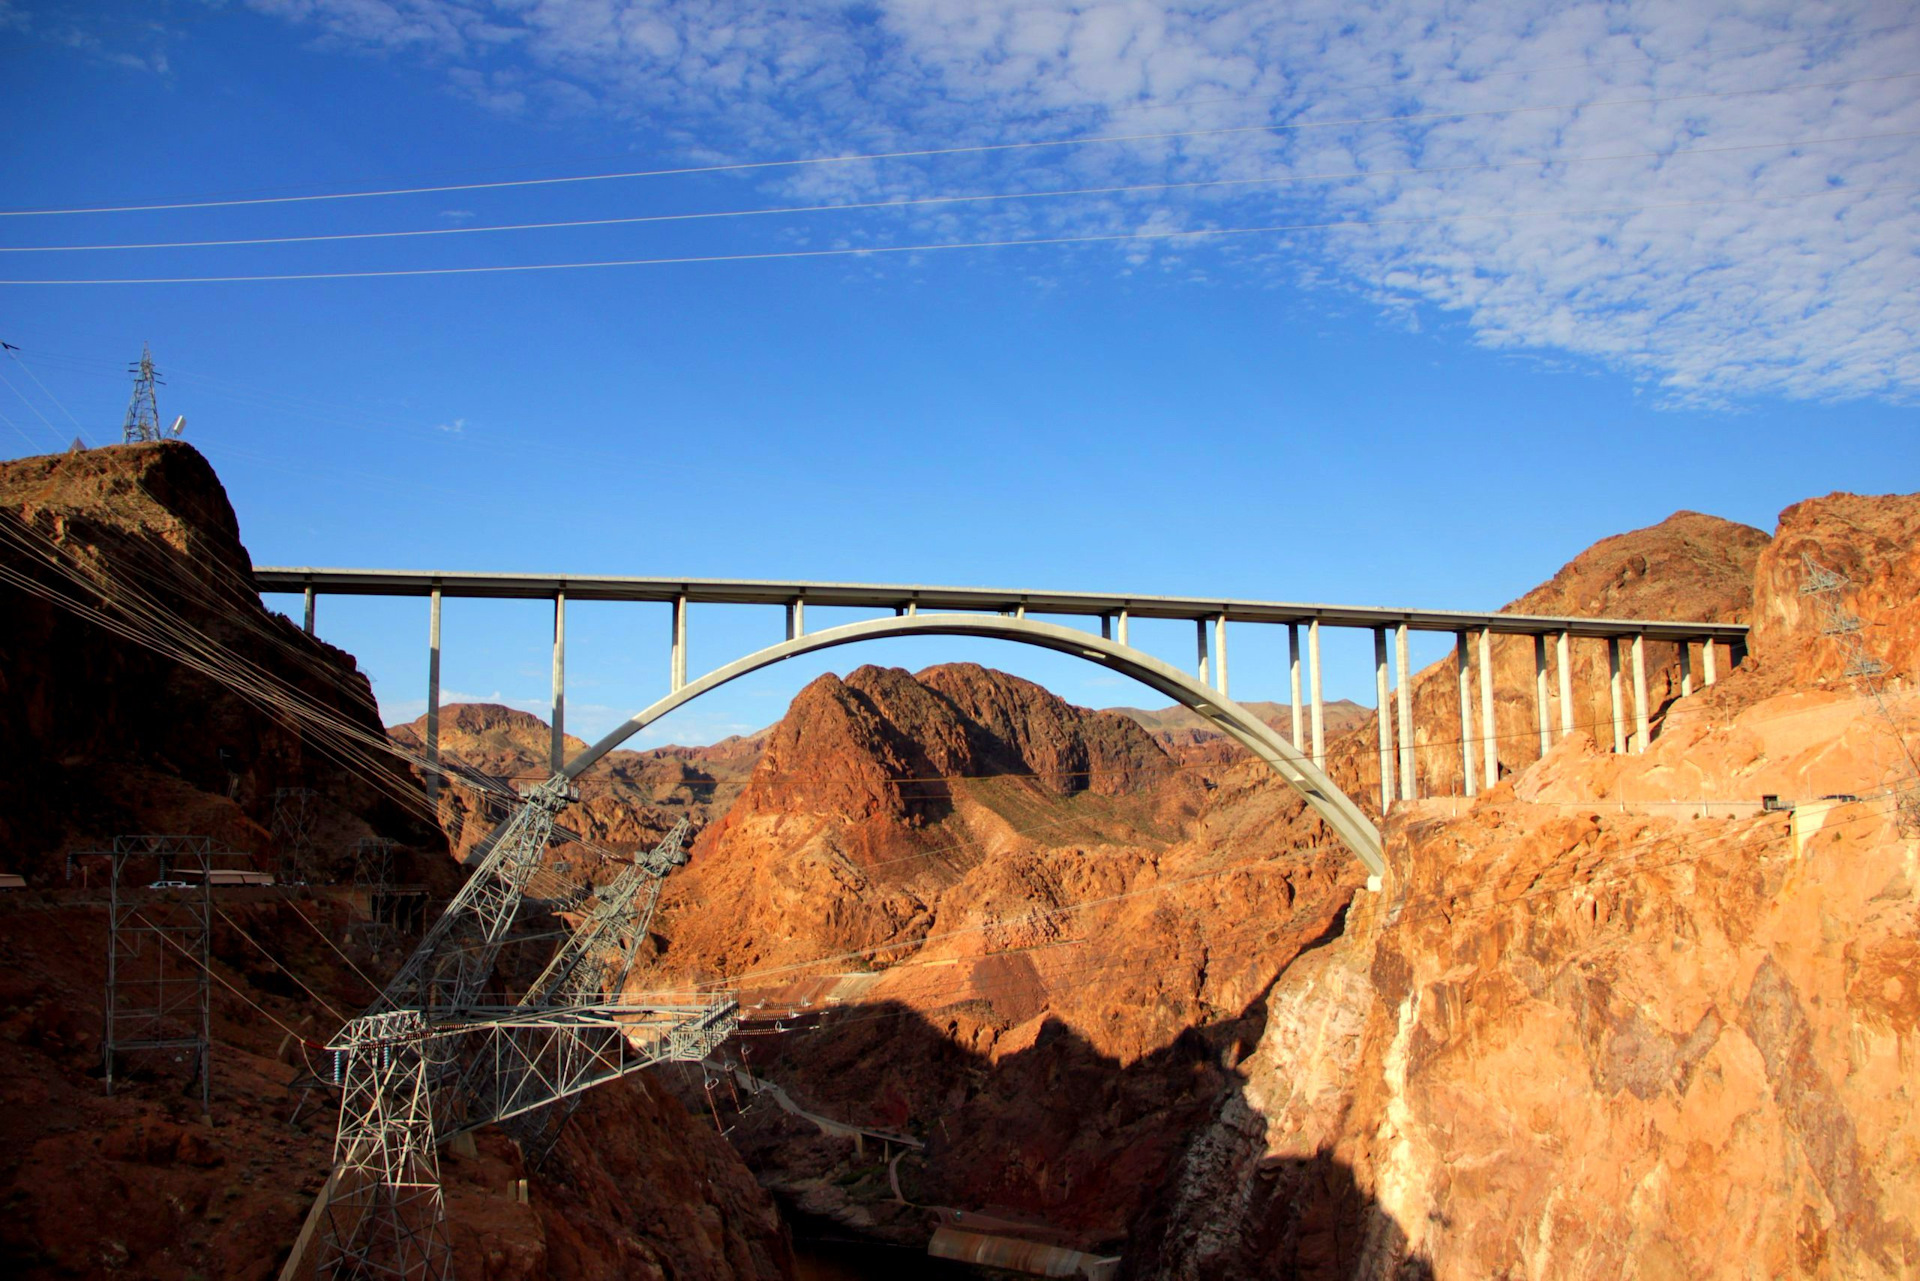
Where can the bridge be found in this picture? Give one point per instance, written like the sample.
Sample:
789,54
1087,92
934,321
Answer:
1019,616
428,1060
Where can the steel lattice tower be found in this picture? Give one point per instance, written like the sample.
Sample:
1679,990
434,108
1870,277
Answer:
293,816
143,411
158,949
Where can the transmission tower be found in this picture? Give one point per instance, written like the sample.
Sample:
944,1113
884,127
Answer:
373,876
294,813
160,918
143,411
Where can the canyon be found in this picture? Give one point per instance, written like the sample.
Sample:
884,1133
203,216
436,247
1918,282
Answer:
1087,979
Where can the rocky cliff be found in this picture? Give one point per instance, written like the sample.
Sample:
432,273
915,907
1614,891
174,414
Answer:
144,689
1587,1031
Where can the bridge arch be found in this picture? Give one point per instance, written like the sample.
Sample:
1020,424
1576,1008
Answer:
1328,801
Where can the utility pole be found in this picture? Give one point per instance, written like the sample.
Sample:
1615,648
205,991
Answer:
143,411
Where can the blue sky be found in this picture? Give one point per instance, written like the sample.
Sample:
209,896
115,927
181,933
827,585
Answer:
1547,272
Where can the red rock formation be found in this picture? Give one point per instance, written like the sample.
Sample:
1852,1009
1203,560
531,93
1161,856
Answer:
1586,1033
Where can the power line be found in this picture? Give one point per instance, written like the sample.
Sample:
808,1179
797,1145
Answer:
972,149
970,198
1094,238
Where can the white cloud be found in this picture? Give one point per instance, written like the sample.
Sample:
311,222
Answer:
454,428
1626,230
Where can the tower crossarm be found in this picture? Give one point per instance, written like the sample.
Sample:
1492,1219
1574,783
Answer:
592,963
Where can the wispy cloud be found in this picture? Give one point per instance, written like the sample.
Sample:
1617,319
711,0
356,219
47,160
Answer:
454,427
1611,181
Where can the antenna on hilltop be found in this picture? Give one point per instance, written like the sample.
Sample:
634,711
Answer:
143,411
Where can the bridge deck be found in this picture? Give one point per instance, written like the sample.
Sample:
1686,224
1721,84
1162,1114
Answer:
740,591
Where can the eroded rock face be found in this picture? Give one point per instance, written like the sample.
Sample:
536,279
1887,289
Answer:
106,733
627,800
1587,1032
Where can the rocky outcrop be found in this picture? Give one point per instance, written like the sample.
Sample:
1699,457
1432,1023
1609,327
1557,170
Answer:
1586,1032
107,731
627,800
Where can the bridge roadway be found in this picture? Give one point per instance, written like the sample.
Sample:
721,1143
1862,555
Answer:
1003,613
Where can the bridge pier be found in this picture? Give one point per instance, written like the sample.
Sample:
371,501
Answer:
1642,735
557,748
1293,678
677,654
1618,695
1220,653
1490,737
433,695
1319,720
1466,713
1409,786
1686,668
1383,717
1106,627
796,619
1540,692
1565,646
1200,630
1706,660
308,626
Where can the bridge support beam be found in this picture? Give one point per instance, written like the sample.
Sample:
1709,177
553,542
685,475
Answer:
433,695
1313,680
1565,646
796,619
1642,735
1686,668
1106,627
1466,712
308,625
677,658
557,748
1293,679
1409,788
1383,716
1220,654
1707,661
1618,695
1490,735
1200,636
1540,698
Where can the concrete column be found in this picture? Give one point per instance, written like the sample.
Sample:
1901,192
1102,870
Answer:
557,749
1619,696
1409,785
433,694
309,612
1200,630
1686,668
1489,731
1736,653
1565,644
1293,677
1319,719
1642,734
1120,628
1383,716
796,619
1106,627
1540,692
1466,712
1220,653
913,608
1020,611
1706,661
678,661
